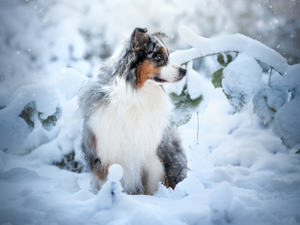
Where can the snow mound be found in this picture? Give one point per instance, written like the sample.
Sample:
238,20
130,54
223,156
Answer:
220,200
287,122
194,82
69,82
189,186
14,130
241,80
115,173
269,98
111,192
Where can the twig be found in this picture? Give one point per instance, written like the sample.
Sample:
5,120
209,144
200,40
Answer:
270,75
200,57
197,128
185,63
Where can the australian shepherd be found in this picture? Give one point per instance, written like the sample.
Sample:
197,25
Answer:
127,117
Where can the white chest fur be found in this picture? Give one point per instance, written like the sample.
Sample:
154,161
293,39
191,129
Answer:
130,128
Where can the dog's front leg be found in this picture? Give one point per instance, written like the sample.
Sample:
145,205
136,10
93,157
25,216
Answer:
154,174
171,153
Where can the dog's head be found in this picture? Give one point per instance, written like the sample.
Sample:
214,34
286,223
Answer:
152,59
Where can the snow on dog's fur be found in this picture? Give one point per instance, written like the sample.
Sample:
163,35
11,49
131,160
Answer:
126,117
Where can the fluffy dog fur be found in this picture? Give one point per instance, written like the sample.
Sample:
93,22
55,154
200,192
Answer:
126,117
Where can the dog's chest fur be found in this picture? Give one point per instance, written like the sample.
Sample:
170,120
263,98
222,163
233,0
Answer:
129,129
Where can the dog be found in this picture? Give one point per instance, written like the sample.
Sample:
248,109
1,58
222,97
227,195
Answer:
126,117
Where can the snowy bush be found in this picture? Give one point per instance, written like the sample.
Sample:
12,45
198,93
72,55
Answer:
269,98
41,120
241,79
28,104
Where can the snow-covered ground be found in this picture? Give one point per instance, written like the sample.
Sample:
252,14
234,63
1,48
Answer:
240,172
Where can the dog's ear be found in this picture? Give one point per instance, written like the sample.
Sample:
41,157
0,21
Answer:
139,39
160,35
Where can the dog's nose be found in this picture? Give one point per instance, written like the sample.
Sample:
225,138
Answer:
182,71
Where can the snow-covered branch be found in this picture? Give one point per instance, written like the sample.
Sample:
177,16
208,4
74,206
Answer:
241,78
234,43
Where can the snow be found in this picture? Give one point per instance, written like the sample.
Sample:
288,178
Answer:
189,186
45,99
14,129
115,173
194,82
291,78
220,200
183,56
241,80
239,170
287,123
269,98
239,173
239,89
234,43
69,82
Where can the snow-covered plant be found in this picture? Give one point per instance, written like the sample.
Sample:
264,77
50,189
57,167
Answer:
29,104
43,117
30,114
241,79
184,106
186,96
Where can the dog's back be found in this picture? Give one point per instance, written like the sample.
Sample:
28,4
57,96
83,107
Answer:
126,118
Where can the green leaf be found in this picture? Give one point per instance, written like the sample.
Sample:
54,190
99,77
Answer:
70,163
184,107
237,107
221,60
51,121
28,114
217,78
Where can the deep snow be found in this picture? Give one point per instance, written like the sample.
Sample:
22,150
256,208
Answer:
240,172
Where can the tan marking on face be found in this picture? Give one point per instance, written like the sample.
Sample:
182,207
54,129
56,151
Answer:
145,71
165,51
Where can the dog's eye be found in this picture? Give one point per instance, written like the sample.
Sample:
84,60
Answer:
158,57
